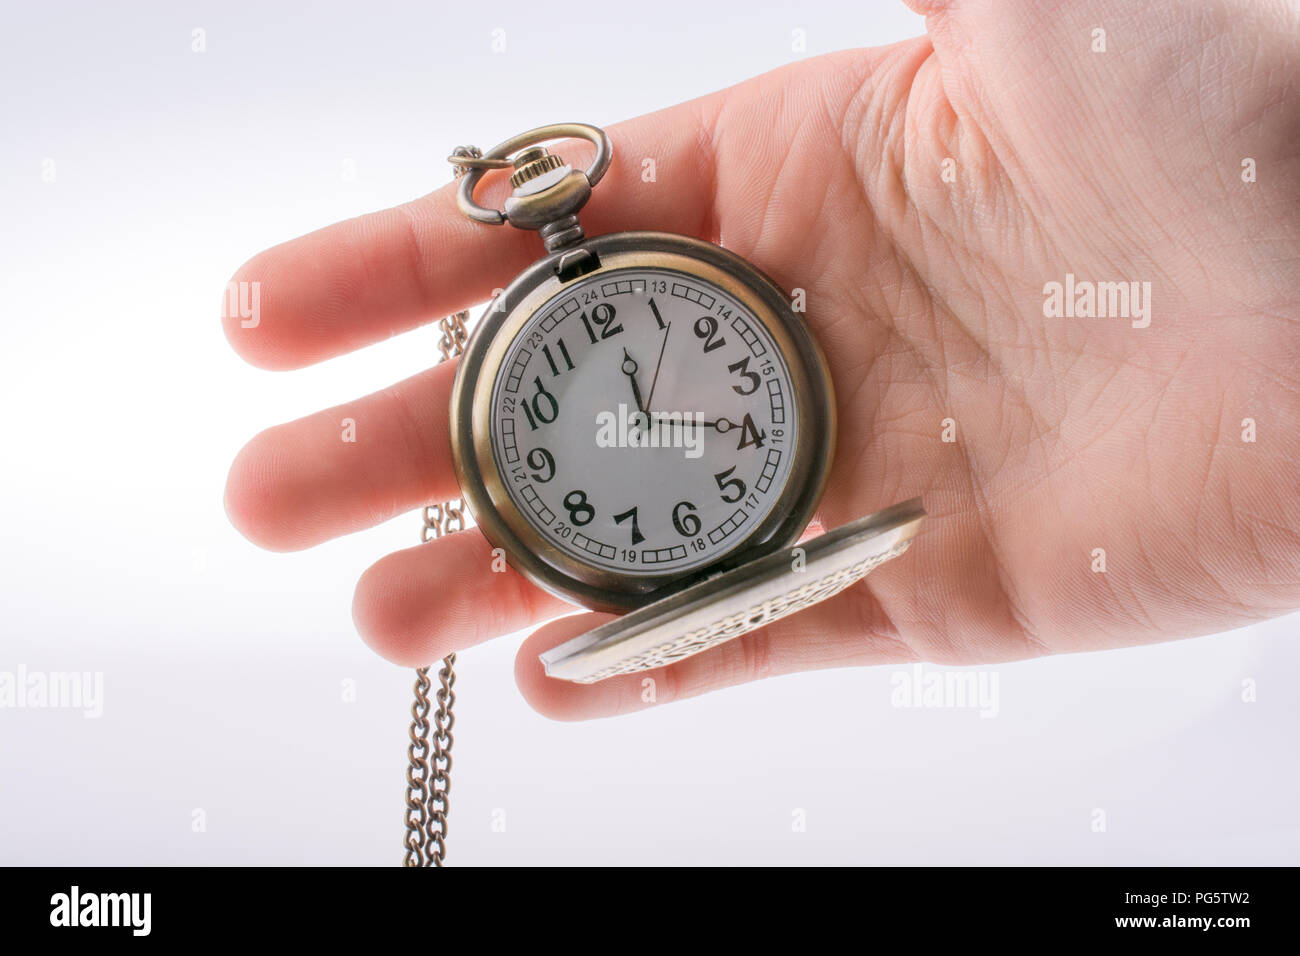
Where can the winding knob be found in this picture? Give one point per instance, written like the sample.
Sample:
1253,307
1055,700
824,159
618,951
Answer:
531,163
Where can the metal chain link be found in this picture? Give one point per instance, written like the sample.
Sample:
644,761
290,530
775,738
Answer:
428,755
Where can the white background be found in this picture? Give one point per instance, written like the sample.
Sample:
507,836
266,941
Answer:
223,665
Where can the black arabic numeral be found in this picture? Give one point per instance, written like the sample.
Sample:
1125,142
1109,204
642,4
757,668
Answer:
603,317
706,327
742,369
564,354
541,460
543,407
637,536
687,525
575,502
735,483
750,435
659,319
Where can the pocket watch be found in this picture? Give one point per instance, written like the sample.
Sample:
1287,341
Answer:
643,423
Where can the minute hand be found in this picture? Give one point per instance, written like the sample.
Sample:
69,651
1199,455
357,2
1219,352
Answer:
722,424
655,380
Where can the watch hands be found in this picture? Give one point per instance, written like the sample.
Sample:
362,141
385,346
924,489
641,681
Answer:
630,368
655,381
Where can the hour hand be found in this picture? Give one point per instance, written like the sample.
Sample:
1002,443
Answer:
630,369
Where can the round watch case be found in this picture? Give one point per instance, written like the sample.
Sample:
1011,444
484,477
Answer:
483,485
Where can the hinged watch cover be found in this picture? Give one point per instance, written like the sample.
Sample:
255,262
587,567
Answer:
738,601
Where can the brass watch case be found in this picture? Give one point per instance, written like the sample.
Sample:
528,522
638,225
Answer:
483,485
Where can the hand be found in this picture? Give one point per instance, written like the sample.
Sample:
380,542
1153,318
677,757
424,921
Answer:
629,368
923,195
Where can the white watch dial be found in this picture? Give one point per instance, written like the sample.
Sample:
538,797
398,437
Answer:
644,421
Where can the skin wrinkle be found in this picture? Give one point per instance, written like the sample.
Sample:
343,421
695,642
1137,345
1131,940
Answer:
707,146
1136,603
869,612
856,107
523,595
1161,393
952,313
1019,188
1253,116
893,130
1012,603
703,672
862,379
672,687
1287,532
379,501
817,218
856,110
372,493
1105,580
756,654
1200,520
1137,196
862,463
871,136
770,203
414,440
1007,380
888,319
1207,50
823,259
419,258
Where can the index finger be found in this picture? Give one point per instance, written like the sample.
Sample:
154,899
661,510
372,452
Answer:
366,279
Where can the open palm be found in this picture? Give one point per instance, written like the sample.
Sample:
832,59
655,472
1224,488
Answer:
1092,480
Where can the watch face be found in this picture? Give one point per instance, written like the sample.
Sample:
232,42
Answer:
643,421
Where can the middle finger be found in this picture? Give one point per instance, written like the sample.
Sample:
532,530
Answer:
346,468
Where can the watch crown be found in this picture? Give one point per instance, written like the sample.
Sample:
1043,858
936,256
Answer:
531,163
